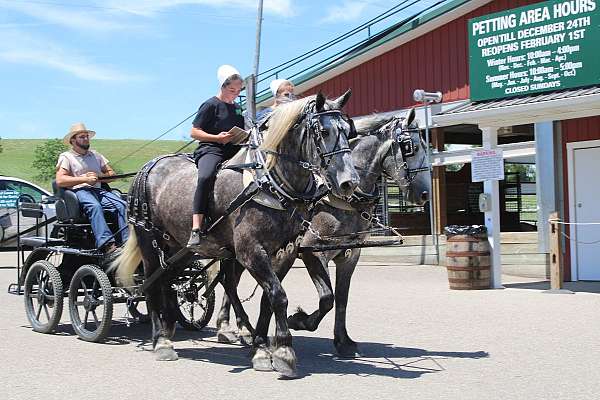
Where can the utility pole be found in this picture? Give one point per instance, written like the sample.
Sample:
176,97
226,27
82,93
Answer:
252,101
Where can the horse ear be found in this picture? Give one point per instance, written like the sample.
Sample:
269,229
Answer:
410,117
341,101
320,102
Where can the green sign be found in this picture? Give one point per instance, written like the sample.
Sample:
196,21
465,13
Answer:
542,47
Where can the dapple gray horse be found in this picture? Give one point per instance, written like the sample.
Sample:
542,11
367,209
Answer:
389,145
304,136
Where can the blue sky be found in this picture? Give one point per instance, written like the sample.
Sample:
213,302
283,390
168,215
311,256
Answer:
134,68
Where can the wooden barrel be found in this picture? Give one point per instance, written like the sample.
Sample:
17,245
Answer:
468,262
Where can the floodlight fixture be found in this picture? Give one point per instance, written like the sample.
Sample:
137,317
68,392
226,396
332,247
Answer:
431,97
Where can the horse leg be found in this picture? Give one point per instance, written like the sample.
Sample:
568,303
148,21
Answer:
344,345
233,272
162,329
319,273
225,334
261,354
283,357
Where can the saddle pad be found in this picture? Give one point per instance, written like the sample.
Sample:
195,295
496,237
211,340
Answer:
261,197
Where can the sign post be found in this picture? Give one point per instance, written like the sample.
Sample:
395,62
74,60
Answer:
487,166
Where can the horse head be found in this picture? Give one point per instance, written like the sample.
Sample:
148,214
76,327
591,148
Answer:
396,149
318,136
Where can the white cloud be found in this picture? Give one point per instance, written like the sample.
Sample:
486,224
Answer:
151,7
345,12
116,15
86,19
20,48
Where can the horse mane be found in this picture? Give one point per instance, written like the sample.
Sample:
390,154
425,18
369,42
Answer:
371,122
280,122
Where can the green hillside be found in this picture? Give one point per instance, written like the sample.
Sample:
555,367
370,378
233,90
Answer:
17,157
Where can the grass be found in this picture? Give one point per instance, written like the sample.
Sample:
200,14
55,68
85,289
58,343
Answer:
17,157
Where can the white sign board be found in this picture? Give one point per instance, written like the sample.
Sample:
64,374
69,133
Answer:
487,165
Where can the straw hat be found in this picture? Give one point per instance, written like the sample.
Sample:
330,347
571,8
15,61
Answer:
275,84
224,72
79,127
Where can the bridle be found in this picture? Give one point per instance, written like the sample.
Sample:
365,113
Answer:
311,122
401,140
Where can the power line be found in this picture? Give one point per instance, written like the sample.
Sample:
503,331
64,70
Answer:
386,14
155,139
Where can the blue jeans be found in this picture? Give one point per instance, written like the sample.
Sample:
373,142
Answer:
94,202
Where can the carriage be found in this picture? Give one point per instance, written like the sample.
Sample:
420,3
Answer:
65,266
309,138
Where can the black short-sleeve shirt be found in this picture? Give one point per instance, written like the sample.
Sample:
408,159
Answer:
215,116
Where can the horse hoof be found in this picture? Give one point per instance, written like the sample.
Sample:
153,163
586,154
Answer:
297,321
348,351
284,362
245,337
261,361
165,354
228,337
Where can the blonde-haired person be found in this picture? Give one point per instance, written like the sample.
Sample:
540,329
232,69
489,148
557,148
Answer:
283,92
215,117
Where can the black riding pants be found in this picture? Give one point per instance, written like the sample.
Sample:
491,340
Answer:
208,159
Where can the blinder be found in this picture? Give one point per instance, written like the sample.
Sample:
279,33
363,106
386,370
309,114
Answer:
405,142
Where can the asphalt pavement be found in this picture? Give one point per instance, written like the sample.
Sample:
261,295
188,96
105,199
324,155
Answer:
419,340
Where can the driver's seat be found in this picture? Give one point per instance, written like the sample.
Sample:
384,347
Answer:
67,206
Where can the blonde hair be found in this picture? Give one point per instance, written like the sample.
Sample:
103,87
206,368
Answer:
281,121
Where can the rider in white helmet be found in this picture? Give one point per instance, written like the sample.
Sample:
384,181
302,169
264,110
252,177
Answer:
215,118
283,91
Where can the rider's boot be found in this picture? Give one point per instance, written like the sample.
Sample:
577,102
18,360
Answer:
196,238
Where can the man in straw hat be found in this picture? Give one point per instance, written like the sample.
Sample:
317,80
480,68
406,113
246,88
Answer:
78,170
283,91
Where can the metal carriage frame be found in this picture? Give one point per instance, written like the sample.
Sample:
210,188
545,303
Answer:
84,279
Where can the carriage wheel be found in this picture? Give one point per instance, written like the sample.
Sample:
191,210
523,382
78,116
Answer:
43,296
195,306
90,303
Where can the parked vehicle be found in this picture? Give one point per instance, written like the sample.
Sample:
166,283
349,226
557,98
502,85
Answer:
14,190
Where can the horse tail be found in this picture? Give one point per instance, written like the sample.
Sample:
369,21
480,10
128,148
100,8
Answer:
128,260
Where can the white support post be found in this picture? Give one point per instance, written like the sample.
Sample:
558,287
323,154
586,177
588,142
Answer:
545,176
492,217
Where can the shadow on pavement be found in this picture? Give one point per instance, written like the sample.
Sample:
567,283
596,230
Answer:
314,357
577,287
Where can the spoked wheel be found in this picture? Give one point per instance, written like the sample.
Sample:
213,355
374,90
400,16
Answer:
195,306
90,303
43,296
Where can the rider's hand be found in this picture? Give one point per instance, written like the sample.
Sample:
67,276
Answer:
91,178
224,137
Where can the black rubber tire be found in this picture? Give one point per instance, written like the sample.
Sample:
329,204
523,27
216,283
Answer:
35,255
42,274
89,289
195,308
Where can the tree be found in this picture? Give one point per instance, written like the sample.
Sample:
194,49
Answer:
1,146
46,156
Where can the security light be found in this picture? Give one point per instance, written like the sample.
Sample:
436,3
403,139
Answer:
422,96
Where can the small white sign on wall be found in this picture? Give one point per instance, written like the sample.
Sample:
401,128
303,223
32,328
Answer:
487,165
